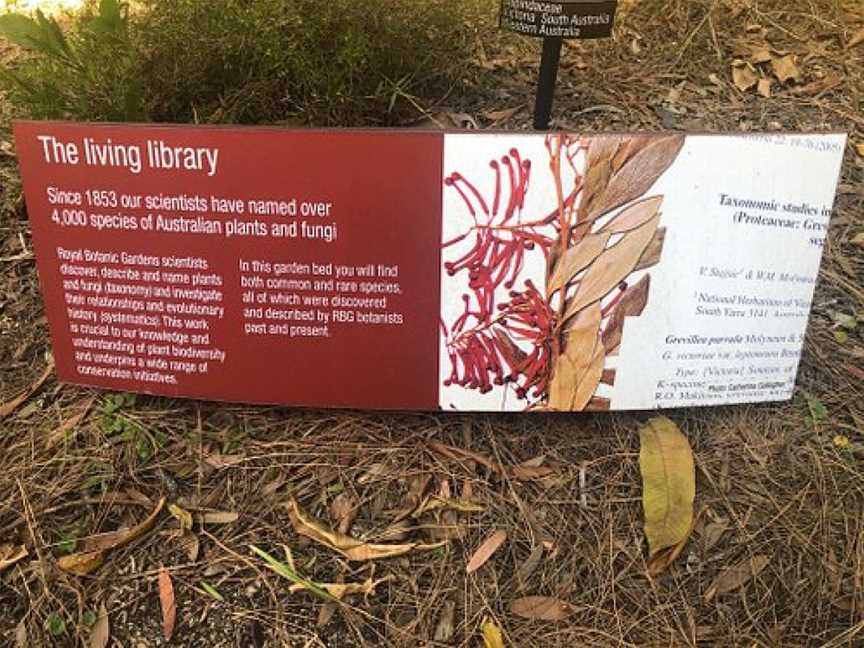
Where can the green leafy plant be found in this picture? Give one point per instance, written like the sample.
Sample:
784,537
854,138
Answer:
89,618
341,62
68,541
88,71
55,625
115,421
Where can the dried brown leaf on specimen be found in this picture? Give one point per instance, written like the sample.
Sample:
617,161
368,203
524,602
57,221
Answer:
638,174
612,267
632,304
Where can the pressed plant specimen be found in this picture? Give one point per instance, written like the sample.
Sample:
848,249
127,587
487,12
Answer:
549,343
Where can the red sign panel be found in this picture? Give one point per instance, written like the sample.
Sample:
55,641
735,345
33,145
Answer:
256,265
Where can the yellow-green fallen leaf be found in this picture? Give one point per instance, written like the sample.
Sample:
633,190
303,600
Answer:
11,554
183,516
286,572
212,591
668,484
492,637
353,549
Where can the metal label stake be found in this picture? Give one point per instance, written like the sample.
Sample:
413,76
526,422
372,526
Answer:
554,21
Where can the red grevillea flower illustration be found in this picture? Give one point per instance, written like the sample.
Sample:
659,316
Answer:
549,343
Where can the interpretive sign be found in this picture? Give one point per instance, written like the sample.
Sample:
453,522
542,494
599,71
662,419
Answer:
422,270
581,19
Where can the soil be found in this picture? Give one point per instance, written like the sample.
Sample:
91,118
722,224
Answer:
773,482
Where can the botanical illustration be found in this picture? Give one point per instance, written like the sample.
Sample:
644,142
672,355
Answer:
547,341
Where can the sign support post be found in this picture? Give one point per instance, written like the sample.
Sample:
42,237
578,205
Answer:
546,82
553,21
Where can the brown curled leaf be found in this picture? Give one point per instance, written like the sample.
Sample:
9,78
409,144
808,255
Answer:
93,554
632,304
651,255
122,537
633,216
576,259
82,563
353,549
637,175
341,590
612,267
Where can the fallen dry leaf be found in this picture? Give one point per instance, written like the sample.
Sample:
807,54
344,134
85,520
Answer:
436,503
341,590
190,543
343,511
496,116
541,608
167,603
527,568
485,550
737,576
81,563
859,149
668,484
93,553
857,39
785,68
22,640
10,406
712,534
217,517
764,88
491,633
353,549
11,554
183,516
660,561
100,635
743,76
